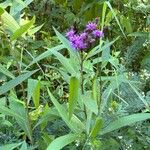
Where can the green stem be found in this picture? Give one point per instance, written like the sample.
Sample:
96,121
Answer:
82,79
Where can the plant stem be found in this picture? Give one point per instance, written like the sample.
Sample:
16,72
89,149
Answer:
82,80
99,74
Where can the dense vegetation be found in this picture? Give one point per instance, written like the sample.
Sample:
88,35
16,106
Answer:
59,91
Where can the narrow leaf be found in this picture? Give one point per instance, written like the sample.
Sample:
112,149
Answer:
46,54
97,50
6,111
73,94
65,62
125,121
10,146
97,127
109,5
74,124
14,82
1,11
23,29
9,22
62,141
65,42
36,95
6,72
90,103
19,107
103,15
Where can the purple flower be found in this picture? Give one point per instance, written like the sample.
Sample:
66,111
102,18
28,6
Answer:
83,35
70,33
91,26
85,39
78,43
98,33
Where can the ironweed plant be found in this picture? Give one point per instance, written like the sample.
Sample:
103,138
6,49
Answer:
73,91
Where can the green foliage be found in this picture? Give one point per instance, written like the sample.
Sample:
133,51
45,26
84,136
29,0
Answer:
54,97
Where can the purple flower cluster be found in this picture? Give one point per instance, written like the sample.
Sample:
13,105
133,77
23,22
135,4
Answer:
82,40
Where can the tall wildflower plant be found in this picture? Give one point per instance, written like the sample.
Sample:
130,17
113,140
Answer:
85,114
83,41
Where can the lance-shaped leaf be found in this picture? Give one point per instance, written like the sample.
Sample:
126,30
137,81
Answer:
97,127
13,83
36,95
74,124
23,29
46,54
1,11
6,72
19,108
73,94
9,21
62,141
10,146
125,121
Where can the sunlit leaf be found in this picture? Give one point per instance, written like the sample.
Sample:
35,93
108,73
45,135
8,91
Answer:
23,29
62,141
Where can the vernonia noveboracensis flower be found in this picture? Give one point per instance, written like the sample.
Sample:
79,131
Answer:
82,40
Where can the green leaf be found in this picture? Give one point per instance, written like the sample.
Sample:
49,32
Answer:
65,62
34,30
46,54
109,17
18,7
138,94
113,12
125,121
74,55
6,72
19,107
74,124
65,42
9,22
23,29
6,111
17,111
95,90
105,55
36,95
20,2
31,86
97,49
62,141
73,94
1,11
103,15
14,82
90,103
5,4
24,146
97,127
10,146
139,34
126,23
